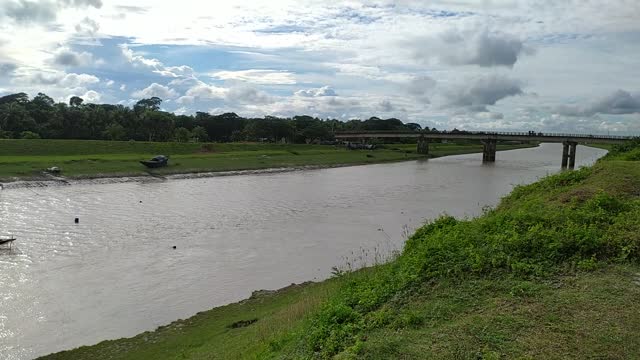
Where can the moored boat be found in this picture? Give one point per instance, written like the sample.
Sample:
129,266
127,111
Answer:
156,162
7,240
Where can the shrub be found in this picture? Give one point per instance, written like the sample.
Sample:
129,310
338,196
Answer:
29,135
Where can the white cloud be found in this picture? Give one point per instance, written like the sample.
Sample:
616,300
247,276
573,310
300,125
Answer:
204,91
59,78
386,106
248,95
91,96
185,100
156,90
40,11
471,47
618,103
421,87
67,57
139,60
257,76
7,68
323,91
385,56
175,71
87,27
476,94
182,111
25,11
74,80
82,3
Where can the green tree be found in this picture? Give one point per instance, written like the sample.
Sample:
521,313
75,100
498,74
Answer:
182,134
145,121
151,104
199,134
75,101
317,131
115,131
158,125
15,118
43,101
20,98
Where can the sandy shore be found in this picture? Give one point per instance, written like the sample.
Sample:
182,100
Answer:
49,180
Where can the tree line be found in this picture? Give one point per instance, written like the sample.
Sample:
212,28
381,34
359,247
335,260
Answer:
42,117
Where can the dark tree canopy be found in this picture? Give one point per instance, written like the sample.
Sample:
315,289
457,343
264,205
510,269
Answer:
20,98
75,101
152,104
414,126
42,117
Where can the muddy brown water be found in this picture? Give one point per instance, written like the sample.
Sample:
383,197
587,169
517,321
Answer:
116,274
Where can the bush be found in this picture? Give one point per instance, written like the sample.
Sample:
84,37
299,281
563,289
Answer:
29,135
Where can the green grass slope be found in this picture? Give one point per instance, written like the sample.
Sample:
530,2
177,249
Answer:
24,159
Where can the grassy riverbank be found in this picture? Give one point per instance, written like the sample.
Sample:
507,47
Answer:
569,315
26,159
553,272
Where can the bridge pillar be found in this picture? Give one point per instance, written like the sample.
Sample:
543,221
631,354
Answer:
489,150
572,155
423,146
569,154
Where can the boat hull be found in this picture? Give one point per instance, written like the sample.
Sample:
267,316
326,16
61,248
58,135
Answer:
154,164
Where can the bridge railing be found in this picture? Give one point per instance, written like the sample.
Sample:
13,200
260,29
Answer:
495,133
541,134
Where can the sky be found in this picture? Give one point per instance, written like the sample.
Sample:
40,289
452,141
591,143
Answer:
542,65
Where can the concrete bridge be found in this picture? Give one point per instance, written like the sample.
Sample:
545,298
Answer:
490,139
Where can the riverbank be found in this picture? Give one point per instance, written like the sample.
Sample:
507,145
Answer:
25,160
552,272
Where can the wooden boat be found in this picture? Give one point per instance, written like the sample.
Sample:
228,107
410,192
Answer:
156,162
7,240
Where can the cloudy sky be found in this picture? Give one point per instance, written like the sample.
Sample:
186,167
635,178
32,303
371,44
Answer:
544,65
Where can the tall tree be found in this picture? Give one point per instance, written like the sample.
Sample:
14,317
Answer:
75,101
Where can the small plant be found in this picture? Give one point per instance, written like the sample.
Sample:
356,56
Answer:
590,264
524,289
337,272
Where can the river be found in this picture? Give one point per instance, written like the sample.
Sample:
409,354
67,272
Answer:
116,274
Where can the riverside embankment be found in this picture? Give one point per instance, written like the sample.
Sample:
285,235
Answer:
26,160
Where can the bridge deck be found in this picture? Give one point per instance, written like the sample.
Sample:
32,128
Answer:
504,136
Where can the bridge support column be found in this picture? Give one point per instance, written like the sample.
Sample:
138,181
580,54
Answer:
572,155
565,155
569,154
423,146
489,151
